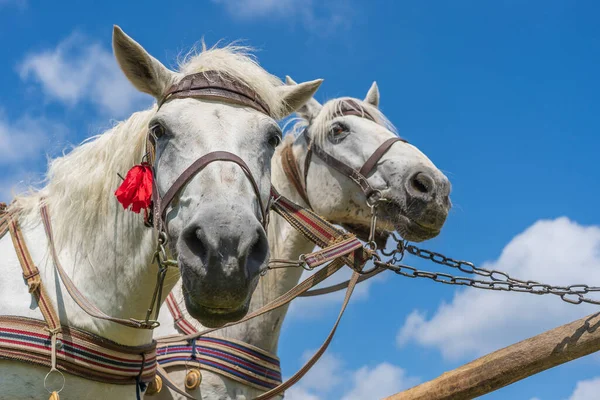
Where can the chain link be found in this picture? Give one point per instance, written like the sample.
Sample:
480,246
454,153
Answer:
499,280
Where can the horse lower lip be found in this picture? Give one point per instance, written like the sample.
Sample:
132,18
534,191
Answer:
426,228
220,311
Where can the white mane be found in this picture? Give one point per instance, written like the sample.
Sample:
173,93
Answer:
81,183
319,127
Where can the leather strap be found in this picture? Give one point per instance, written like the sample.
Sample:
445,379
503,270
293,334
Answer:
214,84
309,364
80,353
82,301
371,163
4,219
349,107
290,168
198,166
282,300
32,276
341,285
345,170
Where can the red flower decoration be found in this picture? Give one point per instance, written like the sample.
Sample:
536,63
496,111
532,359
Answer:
136,189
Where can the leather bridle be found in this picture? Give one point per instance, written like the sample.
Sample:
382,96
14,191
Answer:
359,177
208,85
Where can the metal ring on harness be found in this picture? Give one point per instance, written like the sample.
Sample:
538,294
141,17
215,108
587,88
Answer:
46,385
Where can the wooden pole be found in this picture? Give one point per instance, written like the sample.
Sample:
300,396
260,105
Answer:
512,363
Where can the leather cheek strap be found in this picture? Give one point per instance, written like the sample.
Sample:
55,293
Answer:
358,177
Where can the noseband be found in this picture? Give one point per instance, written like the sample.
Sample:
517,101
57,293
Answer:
207,85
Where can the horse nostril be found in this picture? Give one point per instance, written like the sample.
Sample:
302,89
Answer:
257,254
196,242
422,183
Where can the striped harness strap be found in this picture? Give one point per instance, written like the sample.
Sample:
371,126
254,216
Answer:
61,348
239,361
77,352
234,359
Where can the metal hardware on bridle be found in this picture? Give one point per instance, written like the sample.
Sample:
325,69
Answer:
278,263
371,244
163,262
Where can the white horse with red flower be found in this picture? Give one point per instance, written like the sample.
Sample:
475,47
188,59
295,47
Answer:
108,253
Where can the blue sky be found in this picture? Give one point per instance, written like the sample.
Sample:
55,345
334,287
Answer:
502,96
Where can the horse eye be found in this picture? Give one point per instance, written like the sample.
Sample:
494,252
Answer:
274,141
338,129
157,130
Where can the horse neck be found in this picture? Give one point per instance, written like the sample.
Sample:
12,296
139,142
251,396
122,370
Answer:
105,250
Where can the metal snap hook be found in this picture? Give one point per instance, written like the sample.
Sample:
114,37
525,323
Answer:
373,198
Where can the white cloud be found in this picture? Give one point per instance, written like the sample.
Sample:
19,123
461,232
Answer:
17,182
322,17
26,138
315,307
325,374
382,381
79,70
330,379
297,393
23,143
476,322
586,390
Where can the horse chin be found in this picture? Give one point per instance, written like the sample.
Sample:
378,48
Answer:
214,317
409,228
413,231
362,232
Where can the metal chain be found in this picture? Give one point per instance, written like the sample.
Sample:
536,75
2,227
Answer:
573,294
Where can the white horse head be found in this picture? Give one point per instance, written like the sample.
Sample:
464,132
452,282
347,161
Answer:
214,229
416,193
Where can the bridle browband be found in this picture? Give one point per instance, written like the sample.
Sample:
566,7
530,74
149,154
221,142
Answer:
214,84
206,85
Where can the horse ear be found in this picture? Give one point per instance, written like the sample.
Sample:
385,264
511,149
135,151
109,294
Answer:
295,96
145,72
308,110
373,95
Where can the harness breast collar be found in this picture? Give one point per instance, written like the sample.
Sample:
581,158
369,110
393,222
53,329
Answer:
244,363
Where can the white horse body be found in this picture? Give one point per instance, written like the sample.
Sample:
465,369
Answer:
332,196
107,251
